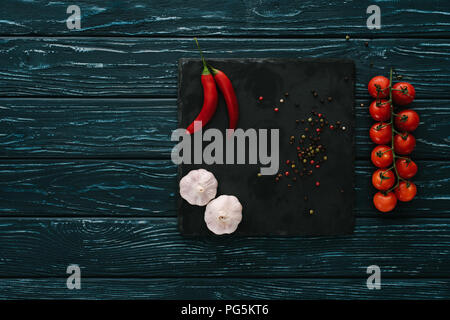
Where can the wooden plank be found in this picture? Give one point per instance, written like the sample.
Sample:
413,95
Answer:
90,187
141,128
153,247
227,18
144,188
87,128
148,67
224,288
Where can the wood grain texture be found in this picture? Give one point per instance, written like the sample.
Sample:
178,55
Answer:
153,247
87,128
225,288
89,196
136,67
141,128
226,18
88,187
147,188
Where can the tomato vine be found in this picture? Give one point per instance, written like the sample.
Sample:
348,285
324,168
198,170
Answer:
402,143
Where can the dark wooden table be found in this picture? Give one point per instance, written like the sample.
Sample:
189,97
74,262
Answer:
85,172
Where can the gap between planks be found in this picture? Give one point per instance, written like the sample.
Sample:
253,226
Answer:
174,219
425,36
212,277
144,98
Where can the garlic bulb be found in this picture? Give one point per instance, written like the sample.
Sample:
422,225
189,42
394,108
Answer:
198,187
223,215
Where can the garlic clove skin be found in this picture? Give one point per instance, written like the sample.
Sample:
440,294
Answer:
223,214
198,187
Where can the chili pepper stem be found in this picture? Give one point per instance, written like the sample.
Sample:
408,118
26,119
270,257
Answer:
205,67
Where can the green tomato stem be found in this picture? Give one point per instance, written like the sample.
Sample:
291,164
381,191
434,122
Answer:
394,156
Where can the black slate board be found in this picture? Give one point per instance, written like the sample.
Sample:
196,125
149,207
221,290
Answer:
269,207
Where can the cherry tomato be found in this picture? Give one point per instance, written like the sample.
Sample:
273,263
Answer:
406,168
384,202
381,156
404,143
403,93
379,87
407,120
405,191
380,110
381,133
383,179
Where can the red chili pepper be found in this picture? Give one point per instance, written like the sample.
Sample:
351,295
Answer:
210,99
227,90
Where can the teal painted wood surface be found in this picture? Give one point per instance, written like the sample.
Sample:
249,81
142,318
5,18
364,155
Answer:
147,67
227,18
85,175
153,247
147,188
230,289
141,128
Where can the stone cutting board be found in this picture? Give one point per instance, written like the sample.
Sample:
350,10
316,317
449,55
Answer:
271,207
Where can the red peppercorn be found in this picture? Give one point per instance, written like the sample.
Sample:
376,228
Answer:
317,183
288,161
286,173
331,127
312,162
298,148
318,130
317,166
275,109
261,98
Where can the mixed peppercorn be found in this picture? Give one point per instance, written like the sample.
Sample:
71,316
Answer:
310,154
